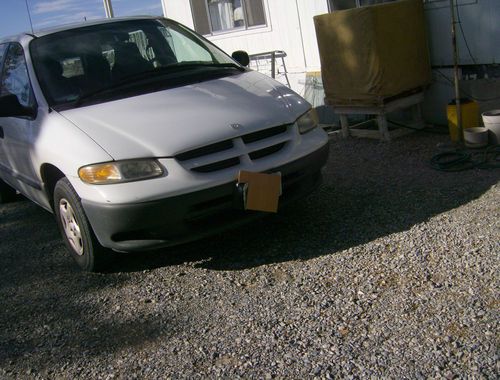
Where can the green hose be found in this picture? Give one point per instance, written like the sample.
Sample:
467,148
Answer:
460,159
437,129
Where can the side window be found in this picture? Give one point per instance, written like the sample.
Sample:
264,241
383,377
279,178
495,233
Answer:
15,79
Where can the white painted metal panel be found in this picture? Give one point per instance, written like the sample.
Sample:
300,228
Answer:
179,10
307,10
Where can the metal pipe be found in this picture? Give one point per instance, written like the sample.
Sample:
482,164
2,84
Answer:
108,8
455,70
273,65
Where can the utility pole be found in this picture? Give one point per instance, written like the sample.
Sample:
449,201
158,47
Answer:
164,7
29,16
108,8
455,70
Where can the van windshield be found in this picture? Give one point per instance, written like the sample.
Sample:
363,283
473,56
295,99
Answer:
102,61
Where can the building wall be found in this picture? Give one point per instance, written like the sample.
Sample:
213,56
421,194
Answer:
290,28
480,21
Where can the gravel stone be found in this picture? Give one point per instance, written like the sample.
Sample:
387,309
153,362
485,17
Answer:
389,270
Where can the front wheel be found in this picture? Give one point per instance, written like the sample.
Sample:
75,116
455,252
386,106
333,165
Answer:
76,230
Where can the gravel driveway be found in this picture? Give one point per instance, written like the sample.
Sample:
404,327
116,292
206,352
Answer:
390,269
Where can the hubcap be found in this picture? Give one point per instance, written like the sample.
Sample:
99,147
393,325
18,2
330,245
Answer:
70,226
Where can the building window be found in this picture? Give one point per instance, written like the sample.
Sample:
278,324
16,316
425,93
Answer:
340,5
216,16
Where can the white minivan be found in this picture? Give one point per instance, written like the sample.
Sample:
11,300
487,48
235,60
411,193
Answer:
135,132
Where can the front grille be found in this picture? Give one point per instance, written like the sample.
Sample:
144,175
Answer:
217,165
266,151
203,151
261,135
228,153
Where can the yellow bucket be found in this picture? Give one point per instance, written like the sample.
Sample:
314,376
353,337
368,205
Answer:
470,117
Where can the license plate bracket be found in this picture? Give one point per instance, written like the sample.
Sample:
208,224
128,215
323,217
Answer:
259,191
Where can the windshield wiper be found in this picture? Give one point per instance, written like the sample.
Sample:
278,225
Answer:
176,67
189,65
100,91
130,80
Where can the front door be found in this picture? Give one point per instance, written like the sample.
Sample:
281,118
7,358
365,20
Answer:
16,133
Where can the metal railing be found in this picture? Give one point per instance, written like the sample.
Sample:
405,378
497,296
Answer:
267,63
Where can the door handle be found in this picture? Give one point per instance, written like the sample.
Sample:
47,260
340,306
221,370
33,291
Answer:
1,133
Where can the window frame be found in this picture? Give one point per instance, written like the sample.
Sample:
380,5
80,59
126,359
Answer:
240,29
428,4
438,4
331,7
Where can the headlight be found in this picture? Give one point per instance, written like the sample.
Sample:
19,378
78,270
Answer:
120,171
307,121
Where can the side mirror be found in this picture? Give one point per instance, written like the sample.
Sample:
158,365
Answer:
241,57
10,106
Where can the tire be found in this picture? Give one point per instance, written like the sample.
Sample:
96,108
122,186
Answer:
7,193
76,230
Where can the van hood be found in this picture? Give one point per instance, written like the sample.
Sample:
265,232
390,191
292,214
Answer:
168,122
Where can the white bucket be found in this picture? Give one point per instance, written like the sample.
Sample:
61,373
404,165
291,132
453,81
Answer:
476,137
491,120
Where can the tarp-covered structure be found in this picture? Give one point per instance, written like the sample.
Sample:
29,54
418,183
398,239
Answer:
371,54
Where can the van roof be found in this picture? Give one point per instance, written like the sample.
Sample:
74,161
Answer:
60,28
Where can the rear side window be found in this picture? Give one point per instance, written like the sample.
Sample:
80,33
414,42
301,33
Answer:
15,79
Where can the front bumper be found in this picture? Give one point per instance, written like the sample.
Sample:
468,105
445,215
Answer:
186,217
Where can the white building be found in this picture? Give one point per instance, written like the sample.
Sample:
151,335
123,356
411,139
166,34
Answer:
265,25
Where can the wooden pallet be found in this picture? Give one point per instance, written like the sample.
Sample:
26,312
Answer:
380,112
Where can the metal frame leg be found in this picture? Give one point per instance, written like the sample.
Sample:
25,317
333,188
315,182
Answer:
417,115
383,128
345,125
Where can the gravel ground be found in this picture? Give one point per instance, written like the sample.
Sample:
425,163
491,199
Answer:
390,269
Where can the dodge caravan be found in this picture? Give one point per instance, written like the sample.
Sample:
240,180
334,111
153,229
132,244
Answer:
136,134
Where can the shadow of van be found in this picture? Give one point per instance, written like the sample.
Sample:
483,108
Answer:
370,190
